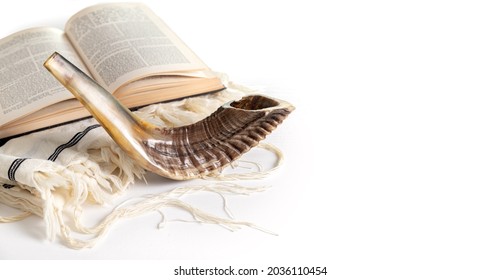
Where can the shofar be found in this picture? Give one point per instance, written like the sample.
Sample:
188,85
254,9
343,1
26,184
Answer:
180,153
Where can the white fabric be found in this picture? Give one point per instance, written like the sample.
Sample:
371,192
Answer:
54,173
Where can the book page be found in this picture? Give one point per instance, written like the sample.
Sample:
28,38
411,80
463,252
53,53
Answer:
25,85
125,42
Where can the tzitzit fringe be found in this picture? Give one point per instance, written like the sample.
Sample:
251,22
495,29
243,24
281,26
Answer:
255,175
152,203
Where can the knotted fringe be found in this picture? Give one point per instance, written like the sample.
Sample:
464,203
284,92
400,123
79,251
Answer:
97,175
151,203
82,181
260,173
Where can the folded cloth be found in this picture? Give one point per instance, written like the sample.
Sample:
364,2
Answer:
59,169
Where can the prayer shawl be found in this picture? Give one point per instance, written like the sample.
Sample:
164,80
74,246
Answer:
55,172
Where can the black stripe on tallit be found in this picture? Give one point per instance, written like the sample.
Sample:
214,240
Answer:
71,142
13,168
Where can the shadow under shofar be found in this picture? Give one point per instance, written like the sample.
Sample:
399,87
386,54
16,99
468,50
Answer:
180,153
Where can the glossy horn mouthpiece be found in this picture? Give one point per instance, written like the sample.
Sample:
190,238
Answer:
180,153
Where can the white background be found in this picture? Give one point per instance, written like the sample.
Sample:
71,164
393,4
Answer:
392,156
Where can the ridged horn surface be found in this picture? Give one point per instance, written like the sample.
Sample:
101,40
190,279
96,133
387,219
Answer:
180,153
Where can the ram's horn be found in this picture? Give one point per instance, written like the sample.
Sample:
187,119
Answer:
181,153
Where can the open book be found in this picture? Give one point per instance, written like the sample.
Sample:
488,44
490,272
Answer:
125,47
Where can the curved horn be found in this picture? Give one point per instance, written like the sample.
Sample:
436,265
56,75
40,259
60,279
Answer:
181,153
